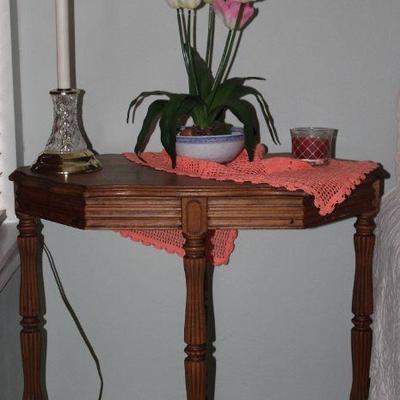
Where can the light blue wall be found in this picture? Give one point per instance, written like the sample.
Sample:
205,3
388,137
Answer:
283,304
11,380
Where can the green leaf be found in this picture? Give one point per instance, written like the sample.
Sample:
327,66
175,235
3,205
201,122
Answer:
204,75
179,105
221,115
200,116
168,125
247,115
247,90
136,102
192,82
149,124
225,92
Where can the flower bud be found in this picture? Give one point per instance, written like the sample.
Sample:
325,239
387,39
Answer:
190,4
229,11
173,3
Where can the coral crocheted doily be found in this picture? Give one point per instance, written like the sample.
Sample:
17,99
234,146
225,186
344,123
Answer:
329,185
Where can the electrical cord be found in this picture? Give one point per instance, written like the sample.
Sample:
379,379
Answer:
74,316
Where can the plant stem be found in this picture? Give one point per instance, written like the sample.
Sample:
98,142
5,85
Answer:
235,31
225,52
228,71
182,40
183,21
210,37
187,29
195,29
228,55
228,50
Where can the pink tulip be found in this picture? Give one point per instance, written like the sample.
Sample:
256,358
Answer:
229,10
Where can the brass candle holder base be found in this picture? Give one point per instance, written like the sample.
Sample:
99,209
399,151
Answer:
69,163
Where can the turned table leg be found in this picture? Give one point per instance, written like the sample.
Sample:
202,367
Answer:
361,335
30,308
195,233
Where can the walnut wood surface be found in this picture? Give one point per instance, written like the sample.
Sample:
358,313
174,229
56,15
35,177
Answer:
125,195
195,232
363,307
30,308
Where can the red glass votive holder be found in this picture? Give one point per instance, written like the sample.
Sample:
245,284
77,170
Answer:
313,145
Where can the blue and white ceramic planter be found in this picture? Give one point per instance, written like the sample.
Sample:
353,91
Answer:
219,148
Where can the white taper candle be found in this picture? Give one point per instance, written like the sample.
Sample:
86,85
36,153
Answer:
63,44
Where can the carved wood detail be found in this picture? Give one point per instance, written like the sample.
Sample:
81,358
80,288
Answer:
363,307
31,308
194,222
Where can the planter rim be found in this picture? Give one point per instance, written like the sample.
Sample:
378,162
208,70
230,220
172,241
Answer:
236,134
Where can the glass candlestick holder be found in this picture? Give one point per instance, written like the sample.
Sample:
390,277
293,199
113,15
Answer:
67,150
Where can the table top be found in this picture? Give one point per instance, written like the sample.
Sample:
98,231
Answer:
124,195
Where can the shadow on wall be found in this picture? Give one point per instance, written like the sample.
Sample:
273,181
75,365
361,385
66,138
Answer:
11,380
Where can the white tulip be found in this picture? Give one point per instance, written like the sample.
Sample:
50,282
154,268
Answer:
189,4
173,3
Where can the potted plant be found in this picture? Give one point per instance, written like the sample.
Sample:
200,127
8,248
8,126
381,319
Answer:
210,96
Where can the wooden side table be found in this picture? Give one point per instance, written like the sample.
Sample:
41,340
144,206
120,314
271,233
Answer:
127,196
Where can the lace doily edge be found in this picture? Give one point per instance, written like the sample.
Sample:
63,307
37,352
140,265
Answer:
217,261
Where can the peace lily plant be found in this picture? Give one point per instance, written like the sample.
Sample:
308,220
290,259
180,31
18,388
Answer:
210,95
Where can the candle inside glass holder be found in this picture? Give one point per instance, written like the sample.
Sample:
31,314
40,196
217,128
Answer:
313,145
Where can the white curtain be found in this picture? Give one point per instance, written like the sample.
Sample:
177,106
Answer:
7,116
385,367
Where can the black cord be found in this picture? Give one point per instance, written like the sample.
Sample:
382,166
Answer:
74,316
